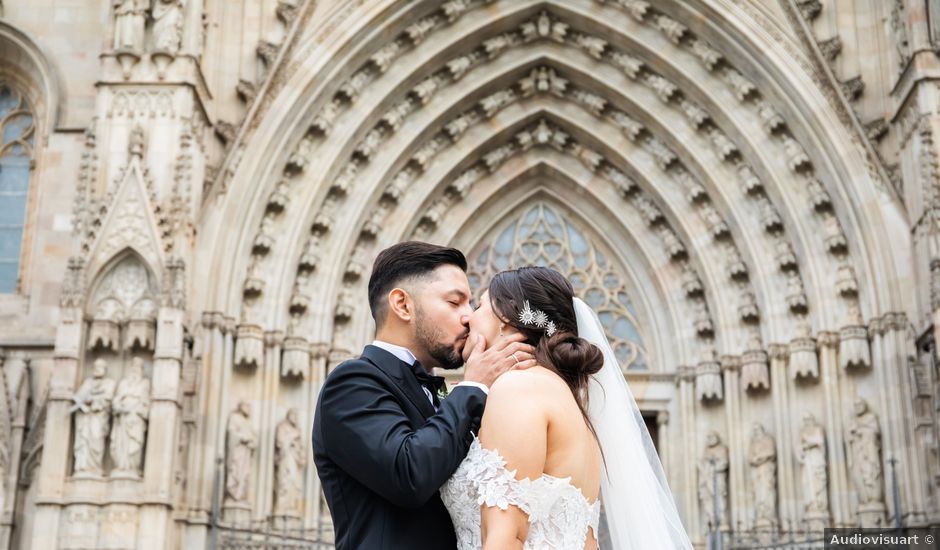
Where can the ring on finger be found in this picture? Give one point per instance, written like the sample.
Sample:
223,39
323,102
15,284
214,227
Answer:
513,355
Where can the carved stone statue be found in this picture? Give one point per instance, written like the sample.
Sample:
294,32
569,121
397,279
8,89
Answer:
92,406
713,480
136,142
865,456
167,25
130,17
290,460
762,458
815,473
131,410
240,443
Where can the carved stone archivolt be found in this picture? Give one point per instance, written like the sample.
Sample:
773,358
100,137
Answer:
676,167
727,150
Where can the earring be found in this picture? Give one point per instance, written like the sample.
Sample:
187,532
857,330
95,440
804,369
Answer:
501,325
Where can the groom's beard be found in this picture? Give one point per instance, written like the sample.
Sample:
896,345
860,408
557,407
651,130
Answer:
430,338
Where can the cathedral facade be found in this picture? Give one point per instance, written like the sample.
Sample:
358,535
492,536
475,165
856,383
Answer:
192,193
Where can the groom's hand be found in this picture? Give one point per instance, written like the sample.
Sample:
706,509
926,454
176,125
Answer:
508,352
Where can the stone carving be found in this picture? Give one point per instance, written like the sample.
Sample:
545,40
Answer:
131,409
92,407
747,308
713,483
796,295
797,157
129,19
249,346
899,27
762,459
846,283
865,464
755,373
708,377
290,461
691,283
815,470
704,326
853,87
803,360
167,25
240,443
854,352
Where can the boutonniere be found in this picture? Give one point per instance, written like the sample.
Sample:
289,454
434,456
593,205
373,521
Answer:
443,392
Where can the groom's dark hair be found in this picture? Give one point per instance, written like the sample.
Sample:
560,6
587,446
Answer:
410,260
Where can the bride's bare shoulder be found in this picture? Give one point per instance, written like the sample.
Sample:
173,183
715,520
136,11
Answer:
532,384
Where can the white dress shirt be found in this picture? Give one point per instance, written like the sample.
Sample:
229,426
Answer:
405,355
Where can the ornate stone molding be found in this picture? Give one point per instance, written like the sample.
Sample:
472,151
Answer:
799,161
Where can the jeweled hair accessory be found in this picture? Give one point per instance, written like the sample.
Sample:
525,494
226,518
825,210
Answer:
536,317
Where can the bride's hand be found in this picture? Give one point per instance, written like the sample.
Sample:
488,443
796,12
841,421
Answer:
507,353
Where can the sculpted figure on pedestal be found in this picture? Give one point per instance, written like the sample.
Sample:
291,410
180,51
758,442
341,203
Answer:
92,407
290,460
240,443
865,454
762,458
130,17
167,25
131,410
815,472
713,480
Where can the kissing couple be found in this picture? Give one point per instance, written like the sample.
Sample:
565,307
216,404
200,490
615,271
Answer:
541,446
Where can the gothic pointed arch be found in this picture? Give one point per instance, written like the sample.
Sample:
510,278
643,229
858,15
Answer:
541,232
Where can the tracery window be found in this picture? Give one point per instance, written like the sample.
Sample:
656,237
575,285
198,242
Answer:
544,236
16,151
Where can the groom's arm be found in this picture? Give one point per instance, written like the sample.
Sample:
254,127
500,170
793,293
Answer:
367,434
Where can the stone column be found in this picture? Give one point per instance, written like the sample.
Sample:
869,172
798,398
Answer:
663,443
270,375
162,431
312,501
51,475
686,393
896,387
779,388
737,445
201,471
18,410
831,377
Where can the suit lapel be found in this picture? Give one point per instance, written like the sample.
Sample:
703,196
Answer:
400,373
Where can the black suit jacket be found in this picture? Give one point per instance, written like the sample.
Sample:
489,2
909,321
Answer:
382,453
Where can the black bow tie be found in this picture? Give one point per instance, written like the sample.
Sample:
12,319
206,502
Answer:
432,383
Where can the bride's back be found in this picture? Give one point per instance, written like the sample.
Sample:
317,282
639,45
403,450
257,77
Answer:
521,401
571,449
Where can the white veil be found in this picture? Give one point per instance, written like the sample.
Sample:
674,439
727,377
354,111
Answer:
638,509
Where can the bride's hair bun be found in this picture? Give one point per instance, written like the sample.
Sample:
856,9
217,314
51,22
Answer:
575,358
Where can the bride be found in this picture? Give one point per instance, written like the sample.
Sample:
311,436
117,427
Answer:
562,459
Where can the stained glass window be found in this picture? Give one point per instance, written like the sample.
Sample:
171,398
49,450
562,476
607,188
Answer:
544,236
16,151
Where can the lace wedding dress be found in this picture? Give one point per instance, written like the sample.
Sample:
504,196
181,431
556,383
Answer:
559,514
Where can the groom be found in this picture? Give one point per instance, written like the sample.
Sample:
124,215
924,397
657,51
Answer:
383,443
